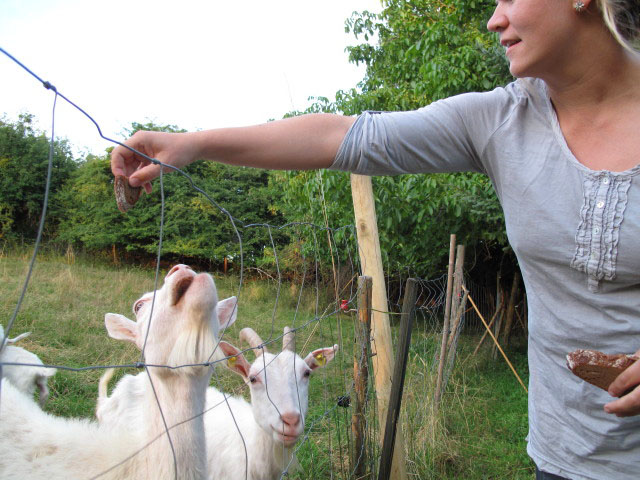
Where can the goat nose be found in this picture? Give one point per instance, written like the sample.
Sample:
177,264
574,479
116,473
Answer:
176,268
291,418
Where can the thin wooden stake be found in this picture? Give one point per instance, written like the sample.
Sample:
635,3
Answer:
455,295
493,319
115,255
456,323
326,224
496,341
511,306
524,328
499,299
395,400
359,461
445,326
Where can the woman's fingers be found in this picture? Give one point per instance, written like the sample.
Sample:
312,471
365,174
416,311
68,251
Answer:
626,406
144,175
125,161
627,386
626,380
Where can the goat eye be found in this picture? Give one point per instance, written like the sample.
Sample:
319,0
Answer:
253,379
137,307
307,373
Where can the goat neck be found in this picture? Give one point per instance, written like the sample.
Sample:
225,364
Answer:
174,328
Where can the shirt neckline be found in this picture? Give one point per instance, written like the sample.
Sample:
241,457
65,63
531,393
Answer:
562,141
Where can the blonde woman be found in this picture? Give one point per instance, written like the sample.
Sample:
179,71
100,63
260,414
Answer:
562,148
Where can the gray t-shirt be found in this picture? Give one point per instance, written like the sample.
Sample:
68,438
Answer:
577,243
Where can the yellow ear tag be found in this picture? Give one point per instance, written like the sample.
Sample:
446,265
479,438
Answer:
231,361
321,359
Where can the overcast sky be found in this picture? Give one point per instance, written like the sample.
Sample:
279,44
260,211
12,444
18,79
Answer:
196,64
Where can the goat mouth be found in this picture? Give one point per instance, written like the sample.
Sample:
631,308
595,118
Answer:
287,440
181,288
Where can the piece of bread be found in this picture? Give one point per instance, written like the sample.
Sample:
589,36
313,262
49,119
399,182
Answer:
597,368
126,195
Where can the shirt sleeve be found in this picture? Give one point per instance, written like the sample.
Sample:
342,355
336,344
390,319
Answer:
446,136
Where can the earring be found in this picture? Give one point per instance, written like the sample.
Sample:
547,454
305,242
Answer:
579,6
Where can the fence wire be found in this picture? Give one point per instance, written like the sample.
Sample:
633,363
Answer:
324,321
324,313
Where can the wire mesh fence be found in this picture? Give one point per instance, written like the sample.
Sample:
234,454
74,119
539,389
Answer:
322,449
319,306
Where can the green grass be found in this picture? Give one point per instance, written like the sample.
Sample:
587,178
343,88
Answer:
478,432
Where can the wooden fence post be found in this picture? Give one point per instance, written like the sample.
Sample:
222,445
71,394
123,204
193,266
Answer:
395,401
445,323
456,300
381,346
359,459
498,324
511,307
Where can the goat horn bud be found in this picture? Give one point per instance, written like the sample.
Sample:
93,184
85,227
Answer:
288,339
253,339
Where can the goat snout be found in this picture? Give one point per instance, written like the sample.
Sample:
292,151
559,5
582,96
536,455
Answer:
290,419
175,268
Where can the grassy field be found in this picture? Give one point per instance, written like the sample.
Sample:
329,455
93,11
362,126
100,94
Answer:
478,432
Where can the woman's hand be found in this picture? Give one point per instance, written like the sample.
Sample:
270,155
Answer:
629,380
173,149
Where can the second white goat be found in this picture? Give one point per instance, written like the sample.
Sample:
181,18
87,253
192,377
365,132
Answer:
273,422
29,376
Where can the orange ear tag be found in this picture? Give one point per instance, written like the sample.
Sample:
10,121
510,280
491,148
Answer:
321,359
231,361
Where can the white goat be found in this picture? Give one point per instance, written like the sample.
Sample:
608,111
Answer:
183,331
121,408
269,426
274,420
25,378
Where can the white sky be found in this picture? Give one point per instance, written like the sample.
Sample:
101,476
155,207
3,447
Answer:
196,64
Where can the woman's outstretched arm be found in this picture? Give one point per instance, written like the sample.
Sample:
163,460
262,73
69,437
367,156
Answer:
297,143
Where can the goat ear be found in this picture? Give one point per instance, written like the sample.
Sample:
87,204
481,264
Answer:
227,310
320,357
236,361
120,327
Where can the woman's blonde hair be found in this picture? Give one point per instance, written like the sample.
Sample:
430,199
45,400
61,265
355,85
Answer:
623,19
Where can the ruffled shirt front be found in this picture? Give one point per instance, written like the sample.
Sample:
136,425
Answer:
577,238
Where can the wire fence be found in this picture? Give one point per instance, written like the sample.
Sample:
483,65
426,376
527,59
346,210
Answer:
321,312
322,321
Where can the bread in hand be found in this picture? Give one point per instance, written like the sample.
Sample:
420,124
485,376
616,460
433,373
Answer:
597,368
126,195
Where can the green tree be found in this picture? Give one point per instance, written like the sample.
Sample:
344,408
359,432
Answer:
24,160
195,229
426,50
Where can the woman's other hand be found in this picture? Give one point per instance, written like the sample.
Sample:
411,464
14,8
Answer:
628,381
